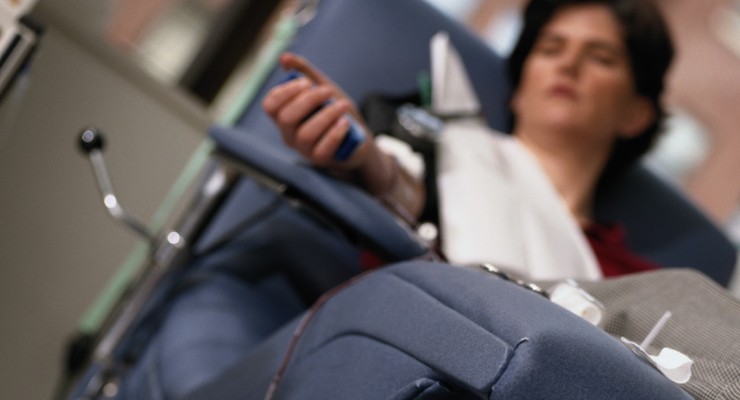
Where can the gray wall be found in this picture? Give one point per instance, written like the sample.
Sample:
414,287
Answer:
58,248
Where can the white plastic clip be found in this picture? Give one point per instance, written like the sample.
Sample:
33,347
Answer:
573,298
675,365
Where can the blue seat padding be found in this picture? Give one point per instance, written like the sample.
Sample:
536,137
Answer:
268,235
345,205
237,294
218,321
470,332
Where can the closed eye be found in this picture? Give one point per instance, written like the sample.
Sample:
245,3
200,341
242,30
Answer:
549,45
605,54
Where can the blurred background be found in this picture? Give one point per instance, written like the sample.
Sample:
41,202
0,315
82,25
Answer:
155,74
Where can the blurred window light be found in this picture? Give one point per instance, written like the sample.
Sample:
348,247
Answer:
458,9
725,23
681,149
500,33
503,31
163,36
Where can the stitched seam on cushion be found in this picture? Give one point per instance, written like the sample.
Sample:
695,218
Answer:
504,365
505,368
403,279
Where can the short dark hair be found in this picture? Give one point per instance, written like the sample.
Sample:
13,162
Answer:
650,49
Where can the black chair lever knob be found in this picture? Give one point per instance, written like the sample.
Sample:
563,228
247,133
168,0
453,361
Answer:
91,139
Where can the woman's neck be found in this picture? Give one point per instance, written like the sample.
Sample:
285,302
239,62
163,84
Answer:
573,168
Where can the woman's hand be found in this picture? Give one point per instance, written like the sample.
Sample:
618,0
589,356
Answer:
315,134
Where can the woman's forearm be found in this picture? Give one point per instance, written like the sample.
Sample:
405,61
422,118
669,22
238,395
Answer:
384,178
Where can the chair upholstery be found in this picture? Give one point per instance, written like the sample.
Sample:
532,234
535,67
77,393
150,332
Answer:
406,333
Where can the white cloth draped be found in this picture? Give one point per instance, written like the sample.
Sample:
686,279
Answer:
497,205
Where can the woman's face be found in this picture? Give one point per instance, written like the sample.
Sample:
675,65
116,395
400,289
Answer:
578,78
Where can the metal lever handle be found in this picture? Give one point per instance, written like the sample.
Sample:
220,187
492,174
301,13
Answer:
92,143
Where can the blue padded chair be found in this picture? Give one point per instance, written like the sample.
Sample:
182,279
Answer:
405,332
221,324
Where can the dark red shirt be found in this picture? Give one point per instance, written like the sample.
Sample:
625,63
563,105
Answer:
609,243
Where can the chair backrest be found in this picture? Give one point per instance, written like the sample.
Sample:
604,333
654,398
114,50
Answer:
381,46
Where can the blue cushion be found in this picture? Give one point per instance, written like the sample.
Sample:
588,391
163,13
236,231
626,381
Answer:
209,327
346,206
408,324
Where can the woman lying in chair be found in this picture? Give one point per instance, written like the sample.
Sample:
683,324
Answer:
588,76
